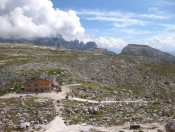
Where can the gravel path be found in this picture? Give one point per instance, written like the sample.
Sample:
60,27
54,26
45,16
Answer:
52,95
58,125
94,101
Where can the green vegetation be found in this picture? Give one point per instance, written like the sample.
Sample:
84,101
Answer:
95,91
64,77
109,114
14,88
157,68
53,72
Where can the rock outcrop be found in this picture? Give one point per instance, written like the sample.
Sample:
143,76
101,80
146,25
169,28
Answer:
147,51
58,41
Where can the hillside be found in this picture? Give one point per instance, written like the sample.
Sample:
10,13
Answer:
147,51
19,62
105,77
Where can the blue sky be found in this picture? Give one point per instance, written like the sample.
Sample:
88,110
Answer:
149,22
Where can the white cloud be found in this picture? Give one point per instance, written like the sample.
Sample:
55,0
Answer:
112,44
169,27
37,18
119,22
155,16
134,31
104,13
153,13
118,18
125,19
163,42
2,4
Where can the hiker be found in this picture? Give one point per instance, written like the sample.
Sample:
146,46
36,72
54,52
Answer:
67,97
81,96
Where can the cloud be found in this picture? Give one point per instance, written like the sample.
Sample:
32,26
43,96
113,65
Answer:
125,19
169,27
135,31
155,16
2,4
103,13
37,18
110,43
153,13
118,18
163,42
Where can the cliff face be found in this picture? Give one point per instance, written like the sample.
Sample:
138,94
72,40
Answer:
59,42
147,51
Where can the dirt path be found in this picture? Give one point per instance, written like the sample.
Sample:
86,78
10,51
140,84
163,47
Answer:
52,95
61,95
94,101
58,125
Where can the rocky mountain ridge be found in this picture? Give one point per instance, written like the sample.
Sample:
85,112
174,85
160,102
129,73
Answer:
147,51
58,41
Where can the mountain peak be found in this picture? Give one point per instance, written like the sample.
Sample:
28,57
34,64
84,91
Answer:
147,51
138,45
57,41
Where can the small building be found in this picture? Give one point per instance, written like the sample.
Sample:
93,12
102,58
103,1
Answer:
40,83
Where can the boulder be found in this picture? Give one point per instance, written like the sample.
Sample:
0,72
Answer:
135,126
159,130
93,110
170,126
25,125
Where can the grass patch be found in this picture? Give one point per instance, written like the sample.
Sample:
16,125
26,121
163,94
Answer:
157,68
14,88
53,72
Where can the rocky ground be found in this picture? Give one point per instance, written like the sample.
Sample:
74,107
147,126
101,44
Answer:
25,112
103,77
73,116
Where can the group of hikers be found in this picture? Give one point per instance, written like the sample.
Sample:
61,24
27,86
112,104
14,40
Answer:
58,89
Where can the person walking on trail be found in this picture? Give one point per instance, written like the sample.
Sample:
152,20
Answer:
67,97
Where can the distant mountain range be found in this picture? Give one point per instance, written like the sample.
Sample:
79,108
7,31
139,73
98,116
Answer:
147,51
130,49
57,42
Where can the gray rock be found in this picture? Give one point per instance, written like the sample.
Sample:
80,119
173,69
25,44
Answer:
170,126
25,125
93,110
159,130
